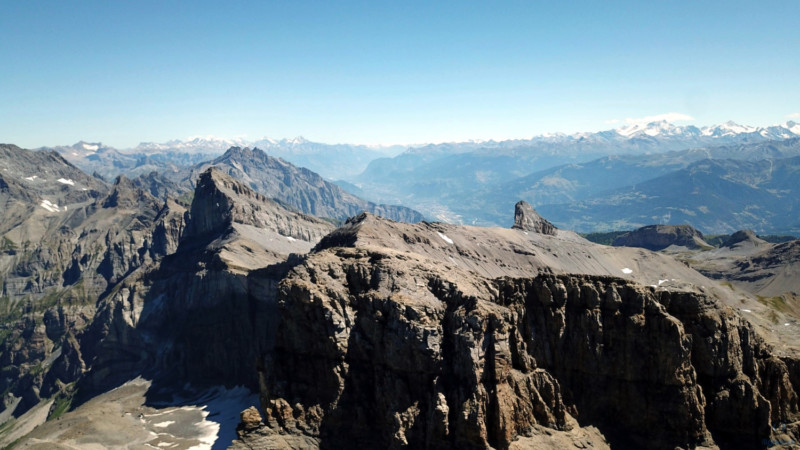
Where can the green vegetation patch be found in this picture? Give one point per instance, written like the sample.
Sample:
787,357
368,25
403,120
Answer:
62,402
777,303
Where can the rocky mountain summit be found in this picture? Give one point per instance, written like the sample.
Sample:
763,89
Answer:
407,335
297,187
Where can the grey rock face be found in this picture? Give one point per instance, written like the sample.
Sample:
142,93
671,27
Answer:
527,219
67,239
205,314
659,237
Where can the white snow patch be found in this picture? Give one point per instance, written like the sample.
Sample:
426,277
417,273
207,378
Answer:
660,282
291,239
31,178
445,238
786,324
74,153
66,181
626,270
52,207
746,310
163,424
90,147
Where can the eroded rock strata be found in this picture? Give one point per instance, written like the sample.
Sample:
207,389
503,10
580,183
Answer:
383,348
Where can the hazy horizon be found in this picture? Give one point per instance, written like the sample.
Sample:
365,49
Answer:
249,140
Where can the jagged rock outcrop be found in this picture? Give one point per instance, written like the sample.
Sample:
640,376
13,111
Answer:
659,237
221,201
527,219
298,187
206,314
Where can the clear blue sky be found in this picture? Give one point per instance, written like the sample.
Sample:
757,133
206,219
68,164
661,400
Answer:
122,72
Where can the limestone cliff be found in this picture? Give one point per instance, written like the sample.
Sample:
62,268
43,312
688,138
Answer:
385,346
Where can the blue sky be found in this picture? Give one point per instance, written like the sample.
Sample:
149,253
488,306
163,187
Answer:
386,72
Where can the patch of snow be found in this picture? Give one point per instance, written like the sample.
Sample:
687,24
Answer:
31,178
163,424
746,310
66,181
90,147
291,239
445,238
74,153
627,271
786,324
660,282
52,207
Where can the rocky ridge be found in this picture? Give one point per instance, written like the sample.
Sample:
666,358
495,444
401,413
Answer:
659,237
297,187
67,239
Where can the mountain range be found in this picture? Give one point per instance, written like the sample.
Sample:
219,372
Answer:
244,298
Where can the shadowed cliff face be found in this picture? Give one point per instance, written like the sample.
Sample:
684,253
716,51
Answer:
380,347
206,314
65,240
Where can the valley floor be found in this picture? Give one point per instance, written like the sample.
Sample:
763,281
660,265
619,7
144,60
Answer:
125,417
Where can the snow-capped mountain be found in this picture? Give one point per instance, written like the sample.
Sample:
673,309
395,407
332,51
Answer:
201,144
660,128
728,129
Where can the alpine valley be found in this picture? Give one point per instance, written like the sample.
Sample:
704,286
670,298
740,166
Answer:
213,293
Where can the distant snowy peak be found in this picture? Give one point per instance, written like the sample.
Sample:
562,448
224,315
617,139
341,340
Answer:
726,130
272,143
659,128
203,144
